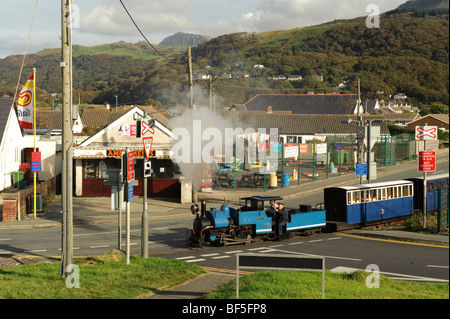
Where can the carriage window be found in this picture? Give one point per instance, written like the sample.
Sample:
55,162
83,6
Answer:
405,191
411,190
349,198
382,193
389,192
394,192
356,197
372,194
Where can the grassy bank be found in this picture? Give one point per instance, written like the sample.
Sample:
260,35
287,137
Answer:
104,277
304,285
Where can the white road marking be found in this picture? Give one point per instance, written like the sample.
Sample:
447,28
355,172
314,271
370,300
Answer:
186,257
437,266
221,257
195,260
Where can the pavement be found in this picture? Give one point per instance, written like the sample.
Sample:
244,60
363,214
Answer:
97,210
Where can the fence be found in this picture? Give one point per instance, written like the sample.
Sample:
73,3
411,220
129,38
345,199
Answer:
297,163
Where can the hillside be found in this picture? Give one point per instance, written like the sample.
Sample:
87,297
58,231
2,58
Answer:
425,4
407,54
183,40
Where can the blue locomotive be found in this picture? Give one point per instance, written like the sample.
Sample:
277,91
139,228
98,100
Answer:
250,222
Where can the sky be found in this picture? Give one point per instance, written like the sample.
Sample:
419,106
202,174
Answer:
105,21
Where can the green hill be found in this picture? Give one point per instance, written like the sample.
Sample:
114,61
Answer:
407,54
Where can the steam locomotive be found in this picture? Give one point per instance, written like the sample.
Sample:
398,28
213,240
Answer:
250,222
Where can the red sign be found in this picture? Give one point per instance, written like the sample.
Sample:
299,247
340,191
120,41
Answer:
427,161
35,157
130,161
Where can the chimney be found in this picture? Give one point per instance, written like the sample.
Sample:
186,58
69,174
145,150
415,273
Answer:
269,109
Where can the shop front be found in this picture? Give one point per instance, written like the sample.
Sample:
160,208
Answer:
91,165
105,150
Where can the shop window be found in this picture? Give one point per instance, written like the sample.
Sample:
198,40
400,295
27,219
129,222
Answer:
90,169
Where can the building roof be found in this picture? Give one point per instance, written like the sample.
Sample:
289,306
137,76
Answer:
304,103
309,124
5,108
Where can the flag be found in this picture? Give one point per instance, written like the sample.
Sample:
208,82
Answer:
25,104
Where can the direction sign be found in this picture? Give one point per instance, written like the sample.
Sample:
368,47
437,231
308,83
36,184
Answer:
36,167
130,166
147,141
361,169
130,192
427,161
426,133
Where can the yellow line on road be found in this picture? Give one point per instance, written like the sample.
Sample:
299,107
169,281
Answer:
392,241
227,271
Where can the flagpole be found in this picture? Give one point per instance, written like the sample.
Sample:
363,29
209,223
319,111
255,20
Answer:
34,130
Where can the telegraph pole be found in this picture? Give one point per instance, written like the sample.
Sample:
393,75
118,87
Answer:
66,188
191,83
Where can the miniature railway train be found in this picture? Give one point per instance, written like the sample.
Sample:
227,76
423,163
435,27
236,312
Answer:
343,208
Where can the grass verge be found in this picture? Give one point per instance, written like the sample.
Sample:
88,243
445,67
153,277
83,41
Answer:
308,285
103,277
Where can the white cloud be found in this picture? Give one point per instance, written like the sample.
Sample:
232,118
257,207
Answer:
104,21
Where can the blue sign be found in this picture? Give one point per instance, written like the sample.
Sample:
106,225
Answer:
36,167
339,147
130,191
361,169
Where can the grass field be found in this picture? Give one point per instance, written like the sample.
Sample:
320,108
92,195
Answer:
307,285
104,277
108,277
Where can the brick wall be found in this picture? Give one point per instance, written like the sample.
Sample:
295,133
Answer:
22,199
9,212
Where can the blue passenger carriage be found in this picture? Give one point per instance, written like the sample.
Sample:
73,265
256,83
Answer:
366,204
434,184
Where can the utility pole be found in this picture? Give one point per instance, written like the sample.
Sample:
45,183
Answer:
360,123
66,71
191,82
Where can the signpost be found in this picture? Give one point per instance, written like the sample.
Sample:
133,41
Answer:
147,130
426,160
130,178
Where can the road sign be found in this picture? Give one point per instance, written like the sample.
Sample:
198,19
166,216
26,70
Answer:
130,192
36,167
427,161
361,169
147,127
130,166
426,133
35,157
360,132
147,141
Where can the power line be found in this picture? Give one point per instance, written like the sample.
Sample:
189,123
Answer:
123,5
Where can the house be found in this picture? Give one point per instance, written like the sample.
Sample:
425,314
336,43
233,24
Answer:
400,119
439,120
303,103
11,143
294,77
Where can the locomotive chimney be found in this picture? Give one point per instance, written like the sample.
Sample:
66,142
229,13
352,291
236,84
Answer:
203,209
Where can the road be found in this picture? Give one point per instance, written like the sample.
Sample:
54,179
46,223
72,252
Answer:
167,239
